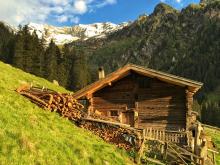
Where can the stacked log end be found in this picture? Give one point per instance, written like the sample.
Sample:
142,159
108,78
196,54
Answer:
70,108
117,135
64,104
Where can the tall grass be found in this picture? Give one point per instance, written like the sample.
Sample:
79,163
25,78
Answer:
30,135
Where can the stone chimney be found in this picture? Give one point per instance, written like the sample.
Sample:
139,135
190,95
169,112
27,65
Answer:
101,73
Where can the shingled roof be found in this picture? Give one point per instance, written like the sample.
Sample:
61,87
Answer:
193,86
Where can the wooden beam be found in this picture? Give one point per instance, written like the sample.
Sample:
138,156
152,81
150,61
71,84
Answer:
107,122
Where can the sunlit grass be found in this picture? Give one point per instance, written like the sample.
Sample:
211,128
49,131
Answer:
215,134
30,135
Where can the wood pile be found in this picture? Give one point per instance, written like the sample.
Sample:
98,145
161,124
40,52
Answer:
50,100
122,137
70,108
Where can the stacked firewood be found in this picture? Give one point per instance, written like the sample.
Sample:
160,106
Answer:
122,137
50,100
70,108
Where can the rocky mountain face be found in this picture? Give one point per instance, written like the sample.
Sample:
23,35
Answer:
168,40
185,43
207,1
163,40
64,35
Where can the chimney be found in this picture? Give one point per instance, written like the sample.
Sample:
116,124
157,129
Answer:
101,73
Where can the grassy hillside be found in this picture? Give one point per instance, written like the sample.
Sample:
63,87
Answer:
215,134
30,135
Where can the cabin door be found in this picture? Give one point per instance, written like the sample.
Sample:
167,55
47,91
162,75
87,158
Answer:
128,118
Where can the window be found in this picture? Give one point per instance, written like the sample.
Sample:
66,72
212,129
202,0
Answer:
114,113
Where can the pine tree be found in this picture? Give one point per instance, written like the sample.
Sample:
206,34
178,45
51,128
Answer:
51,62
6,43
18,51
37,55
64,65
79,71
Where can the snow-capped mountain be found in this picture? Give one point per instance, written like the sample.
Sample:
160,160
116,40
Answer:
63,35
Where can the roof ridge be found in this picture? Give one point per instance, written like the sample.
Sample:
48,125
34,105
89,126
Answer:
164,73
163,76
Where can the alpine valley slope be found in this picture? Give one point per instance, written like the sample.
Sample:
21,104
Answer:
30,135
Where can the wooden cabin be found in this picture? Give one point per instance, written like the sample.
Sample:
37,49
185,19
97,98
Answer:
142,98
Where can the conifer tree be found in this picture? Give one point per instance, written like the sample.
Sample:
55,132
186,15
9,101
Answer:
50,61
79,71
37,55
64,65
19,51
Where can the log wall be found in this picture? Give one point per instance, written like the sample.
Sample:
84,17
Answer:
158,104
118,96
162,105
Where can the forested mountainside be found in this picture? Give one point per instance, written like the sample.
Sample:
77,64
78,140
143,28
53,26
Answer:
185,43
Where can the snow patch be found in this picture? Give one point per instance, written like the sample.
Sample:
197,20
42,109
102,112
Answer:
63,35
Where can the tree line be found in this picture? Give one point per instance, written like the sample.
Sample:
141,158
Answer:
26,51
198,59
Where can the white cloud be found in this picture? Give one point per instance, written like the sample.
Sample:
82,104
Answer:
171,1
74,20
80,6
111,1
106,2
58,2
40,11
62,18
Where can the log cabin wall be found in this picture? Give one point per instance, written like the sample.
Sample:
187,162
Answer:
162,105
112,100
155,103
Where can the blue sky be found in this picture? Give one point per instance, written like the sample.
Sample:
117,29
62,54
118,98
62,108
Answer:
71,12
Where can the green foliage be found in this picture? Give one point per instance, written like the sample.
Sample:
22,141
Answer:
215,135
6,43
79,71
31,54
111,55
184,43
30,135
28,52
51,62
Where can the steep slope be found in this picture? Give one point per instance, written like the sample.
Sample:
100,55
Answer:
30,135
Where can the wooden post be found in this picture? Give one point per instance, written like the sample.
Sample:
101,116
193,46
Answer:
140,152
136,115
150,132
162,149
204,151
189,103
165,151
214,158
202,161
90,107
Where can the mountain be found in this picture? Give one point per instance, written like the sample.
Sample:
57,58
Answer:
31,135
64,35
184,43
207,1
